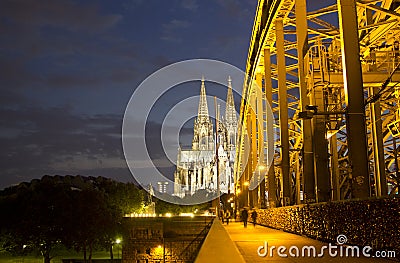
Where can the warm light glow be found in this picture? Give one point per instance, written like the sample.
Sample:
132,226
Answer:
238,191
246,183
261,167
141,215
118,241
168,214
158,251
186,214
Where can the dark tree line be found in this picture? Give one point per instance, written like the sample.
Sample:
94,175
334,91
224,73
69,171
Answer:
81,213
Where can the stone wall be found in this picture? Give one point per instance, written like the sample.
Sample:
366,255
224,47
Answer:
162,239
373,222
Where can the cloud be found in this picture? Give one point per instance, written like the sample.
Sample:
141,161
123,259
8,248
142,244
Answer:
237,8
190,5
37,139
170,30
63,14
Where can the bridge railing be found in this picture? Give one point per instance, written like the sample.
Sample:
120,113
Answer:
370,222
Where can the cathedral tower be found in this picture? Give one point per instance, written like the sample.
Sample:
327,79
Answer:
203,138
196,168
230,118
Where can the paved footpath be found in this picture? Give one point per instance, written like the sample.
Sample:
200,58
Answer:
249,239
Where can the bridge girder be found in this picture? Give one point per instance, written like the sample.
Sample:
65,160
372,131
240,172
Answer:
318,73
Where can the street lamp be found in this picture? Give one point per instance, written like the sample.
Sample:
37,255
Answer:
23,252
236,201
118,241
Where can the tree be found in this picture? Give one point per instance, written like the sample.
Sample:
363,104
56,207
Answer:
122,198
35,216
79,212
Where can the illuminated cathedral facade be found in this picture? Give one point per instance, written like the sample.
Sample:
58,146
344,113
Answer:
196,167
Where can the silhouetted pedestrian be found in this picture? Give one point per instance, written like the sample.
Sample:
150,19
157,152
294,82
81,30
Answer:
227,216
254,217
221,215
245,215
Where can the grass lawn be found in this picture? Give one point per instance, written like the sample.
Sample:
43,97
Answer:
58,254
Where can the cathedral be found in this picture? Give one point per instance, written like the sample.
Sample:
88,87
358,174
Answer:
196,167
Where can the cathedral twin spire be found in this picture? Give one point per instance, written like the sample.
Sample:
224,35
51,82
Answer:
230,112
203,108
197,167
203,138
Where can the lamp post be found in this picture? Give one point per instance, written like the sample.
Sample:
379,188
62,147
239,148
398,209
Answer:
23,253
236,202
163,249
118,241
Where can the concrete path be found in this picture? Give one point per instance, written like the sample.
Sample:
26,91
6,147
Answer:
218,247
248,240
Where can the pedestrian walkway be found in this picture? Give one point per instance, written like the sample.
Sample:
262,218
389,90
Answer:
249,239
218,247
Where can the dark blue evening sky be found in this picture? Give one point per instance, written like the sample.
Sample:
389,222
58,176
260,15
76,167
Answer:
68,69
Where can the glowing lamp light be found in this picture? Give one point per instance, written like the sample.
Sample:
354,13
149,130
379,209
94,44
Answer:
158,250
118,241
187,214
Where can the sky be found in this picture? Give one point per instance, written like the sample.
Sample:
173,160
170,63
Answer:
69,68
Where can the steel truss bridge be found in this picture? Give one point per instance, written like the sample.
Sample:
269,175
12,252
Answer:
320,103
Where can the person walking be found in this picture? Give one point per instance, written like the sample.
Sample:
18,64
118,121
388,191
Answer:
227,216
245,215
254,217
221,215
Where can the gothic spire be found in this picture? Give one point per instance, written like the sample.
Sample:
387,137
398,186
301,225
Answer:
203,108
230,112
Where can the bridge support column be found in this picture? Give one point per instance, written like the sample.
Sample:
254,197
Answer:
321,170
271,180
260,171
353,85
335,172
283,112
302,49
379,158
253,157
248,170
